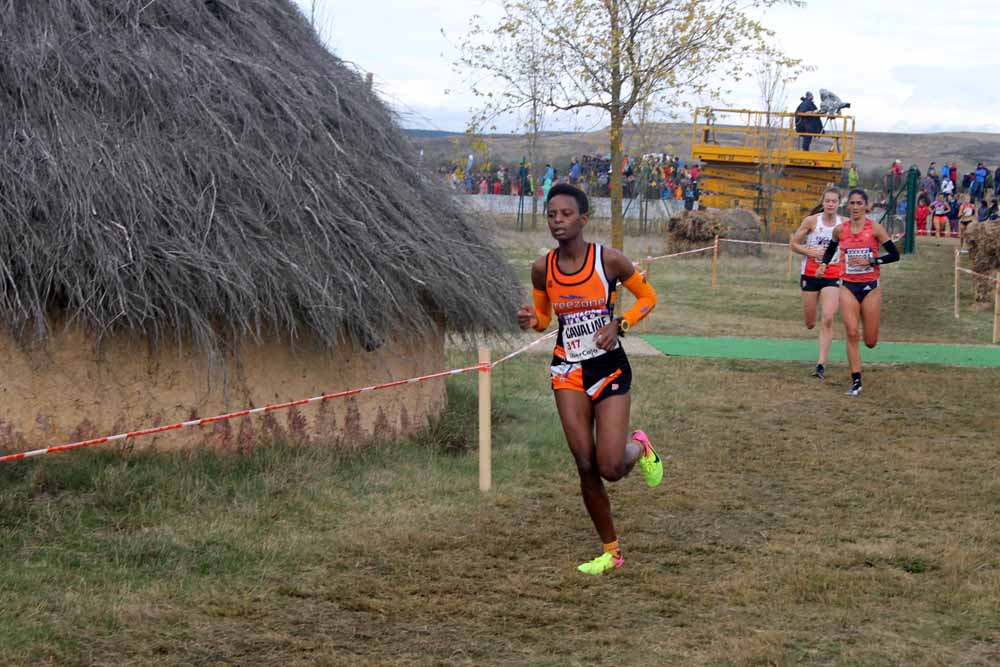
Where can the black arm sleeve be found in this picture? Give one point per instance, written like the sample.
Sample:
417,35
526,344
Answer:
831,250
891,253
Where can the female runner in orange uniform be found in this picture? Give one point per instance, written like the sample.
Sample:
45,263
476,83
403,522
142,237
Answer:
590,373
858,240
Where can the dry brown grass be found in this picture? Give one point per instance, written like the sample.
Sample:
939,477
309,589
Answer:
796,526
862,533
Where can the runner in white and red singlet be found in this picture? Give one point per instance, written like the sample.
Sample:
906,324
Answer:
858,240
811,239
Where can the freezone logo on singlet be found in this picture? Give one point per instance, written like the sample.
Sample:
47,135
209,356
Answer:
580,302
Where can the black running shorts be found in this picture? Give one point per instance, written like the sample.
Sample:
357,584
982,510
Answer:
607,375
815,284
861,290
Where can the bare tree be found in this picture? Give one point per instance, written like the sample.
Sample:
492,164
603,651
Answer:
612,55
771,83
516,82
773,76
320,20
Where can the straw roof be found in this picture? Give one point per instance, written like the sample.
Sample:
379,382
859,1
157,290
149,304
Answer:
206,169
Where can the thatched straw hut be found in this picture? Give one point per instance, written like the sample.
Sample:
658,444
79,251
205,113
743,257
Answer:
204,209
983,239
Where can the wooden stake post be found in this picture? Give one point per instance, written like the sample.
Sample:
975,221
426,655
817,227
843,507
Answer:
956,285
485,409
715,263
788,269
996,308
647,267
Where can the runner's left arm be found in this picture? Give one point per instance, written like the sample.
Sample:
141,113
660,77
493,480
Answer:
634,282
891,252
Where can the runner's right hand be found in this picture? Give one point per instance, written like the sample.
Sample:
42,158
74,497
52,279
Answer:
526,318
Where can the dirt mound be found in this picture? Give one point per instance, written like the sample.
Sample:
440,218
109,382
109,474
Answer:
983,239
697,229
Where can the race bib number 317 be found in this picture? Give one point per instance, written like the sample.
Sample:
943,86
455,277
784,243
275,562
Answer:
579,330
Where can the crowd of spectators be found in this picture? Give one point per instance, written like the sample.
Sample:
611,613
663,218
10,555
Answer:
947,201
653,176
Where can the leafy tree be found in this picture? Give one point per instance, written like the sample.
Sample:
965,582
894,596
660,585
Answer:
612,56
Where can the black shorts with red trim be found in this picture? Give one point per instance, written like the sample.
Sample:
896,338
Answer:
607,375
816,284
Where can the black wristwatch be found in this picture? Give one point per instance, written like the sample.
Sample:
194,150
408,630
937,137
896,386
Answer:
623,325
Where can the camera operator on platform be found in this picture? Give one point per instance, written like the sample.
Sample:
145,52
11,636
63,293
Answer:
807,125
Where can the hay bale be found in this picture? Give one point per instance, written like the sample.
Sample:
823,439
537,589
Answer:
744,225
983,239
696,229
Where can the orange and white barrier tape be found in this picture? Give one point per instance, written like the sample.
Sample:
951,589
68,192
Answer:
239,413
270,408
712,247
981,275
523,349
783,245
678,254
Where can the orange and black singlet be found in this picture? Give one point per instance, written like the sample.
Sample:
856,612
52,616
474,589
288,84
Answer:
584,301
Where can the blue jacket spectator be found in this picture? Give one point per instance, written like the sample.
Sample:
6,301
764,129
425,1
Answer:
808,125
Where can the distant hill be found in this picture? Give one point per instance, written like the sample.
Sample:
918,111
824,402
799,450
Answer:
431,134
874,151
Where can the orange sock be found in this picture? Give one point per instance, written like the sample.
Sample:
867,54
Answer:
612,548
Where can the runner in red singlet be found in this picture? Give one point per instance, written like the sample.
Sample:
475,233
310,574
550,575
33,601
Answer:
811,239
858,240
590,373
922,215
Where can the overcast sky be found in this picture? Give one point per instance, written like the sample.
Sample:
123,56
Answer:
919,66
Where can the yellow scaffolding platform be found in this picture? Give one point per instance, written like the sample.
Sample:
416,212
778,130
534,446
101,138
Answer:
736,145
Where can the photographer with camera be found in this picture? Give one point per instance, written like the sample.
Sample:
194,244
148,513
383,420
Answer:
807,126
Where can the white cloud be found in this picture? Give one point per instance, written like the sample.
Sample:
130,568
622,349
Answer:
919,68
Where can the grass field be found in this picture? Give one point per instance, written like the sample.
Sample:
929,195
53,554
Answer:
756,298
796,526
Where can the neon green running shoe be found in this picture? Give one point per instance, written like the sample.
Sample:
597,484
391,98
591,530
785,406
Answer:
649,463
603,563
